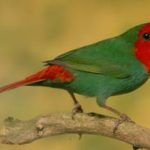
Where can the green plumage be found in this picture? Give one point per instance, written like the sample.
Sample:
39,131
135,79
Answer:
103,69
110,67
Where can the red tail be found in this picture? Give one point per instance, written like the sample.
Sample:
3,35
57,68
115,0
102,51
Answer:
53,72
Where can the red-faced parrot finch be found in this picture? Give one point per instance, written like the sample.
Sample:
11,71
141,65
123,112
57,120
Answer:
110,67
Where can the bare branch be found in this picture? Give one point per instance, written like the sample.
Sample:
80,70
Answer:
15,131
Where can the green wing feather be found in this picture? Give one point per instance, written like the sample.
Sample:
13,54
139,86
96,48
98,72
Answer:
109,57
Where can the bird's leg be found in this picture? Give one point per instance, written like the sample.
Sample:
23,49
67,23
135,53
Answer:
77,107
122,117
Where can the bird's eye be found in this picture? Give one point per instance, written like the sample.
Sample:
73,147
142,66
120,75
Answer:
146,36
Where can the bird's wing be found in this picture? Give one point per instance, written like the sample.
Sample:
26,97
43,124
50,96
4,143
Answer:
95,59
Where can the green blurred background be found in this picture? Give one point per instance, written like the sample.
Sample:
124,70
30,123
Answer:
35,30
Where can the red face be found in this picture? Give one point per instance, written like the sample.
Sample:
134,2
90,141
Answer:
142,46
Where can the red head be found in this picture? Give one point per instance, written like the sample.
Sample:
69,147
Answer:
142,46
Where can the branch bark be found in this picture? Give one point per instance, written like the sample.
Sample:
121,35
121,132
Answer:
15,131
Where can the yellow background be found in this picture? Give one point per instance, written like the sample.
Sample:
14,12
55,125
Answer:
35,30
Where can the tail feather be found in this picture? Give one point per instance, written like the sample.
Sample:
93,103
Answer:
31,79
15,85
52,72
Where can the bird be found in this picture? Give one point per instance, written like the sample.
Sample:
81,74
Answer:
109,67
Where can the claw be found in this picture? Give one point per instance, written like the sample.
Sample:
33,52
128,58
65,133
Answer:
76,109
123,118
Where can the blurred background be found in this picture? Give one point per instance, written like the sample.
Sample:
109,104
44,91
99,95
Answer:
32,31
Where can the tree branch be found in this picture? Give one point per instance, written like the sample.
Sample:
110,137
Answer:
15,131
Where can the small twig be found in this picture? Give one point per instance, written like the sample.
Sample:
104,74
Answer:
15,131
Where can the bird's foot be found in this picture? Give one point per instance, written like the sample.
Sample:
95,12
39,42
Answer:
122,118
76,109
